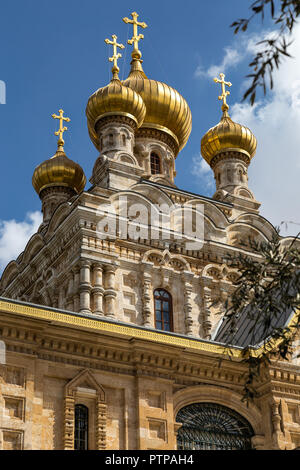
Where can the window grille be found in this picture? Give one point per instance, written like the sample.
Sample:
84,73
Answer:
208,426
81,427
155,164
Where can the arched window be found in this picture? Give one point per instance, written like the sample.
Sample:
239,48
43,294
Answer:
163,310
155,164
209,426
81,427
123,140
111,139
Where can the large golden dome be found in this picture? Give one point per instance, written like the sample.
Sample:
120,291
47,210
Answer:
59,171
114,99
228,135
166,109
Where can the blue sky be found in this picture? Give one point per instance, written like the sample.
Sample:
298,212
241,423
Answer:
53,55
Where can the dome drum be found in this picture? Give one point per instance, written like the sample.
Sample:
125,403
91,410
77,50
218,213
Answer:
230,153
158,133
114,102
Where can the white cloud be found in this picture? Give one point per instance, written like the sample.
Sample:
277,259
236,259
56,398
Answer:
201,169
274,173
231,58
242,47
15,235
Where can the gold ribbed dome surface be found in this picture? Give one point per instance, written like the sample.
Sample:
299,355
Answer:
59,171
227,135
114,99
166,109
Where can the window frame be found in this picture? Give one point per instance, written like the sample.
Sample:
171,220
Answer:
86,443
156,164
170,312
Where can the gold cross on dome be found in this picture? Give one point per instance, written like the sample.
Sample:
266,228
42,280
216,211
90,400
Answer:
136,37
116,54
225,92
62,128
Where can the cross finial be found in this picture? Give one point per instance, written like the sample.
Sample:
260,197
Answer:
116,55
225,92
62,129
136,54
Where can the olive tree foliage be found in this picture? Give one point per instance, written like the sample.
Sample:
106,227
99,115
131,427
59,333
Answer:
267,288
284,14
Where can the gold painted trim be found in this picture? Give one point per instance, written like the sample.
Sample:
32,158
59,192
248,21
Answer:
130,332
233,149
116,113
149,125
272,344
120,329
52,185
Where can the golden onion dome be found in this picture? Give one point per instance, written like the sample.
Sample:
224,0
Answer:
59,171
225,136
166,109
114,100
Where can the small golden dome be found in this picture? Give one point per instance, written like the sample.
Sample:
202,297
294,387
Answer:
166,109
228,135
114,99
59,171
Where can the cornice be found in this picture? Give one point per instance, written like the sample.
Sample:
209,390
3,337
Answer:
73,320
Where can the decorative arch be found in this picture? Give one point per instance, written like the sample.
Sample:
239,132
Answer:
166,259
153,194
59,215
125,132
9,274
125,158
238,234
220,396
243,191
35,244
220,272
257,221
210,426
217,217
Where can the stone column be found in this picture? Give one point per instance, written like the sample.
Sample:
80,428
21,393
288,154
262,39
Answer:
177,426
69,423
147,293
276,421
258,442
98,290
70,303
110,292
76,272
54,299
85,287
61,298
188,289
101,426
207,324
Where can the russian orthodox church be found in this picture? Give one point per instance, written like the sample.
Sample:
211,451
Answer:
112,335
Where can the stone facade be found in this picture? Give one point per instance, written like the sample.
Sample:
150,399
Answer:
132,385
134,381
78,308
